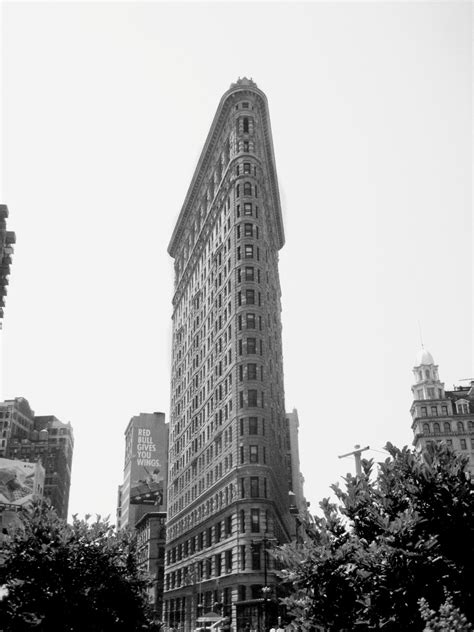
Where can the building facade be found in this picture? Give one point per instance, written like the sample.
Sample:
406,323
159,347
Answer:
145,469
7,239
31,438
228,491
440,415
151,539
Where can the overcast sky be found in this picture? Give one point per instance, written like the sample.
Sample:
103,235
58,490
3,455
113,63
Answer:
105,109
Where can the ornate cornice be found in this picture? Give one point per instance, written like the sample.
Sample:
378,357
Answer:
205,160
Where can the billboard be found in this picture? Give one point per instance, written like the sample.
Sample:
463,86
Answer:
148,462
20,483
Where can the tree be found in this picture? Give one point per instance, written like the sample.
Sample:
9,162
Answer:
82,576
392,539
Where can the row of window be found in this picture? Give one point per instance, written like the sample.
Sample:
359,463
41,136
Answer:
248,209
249,230
460,427
251,399
249,251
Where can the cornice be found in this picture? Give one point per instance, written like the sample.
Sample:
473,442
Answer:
205,160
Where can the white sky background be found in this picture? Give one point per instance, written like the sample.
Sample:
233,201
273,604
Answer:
105,109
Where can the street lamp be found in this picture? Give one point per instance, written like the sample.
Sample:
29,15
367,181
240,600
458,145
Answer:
266,590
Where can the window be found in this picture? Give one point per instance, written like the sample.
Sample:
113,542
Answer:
237,191
463,444
256,548
460,426
248,230
248,251
245,105
247,188
217,565
449,442
462,407
247,208
254,487
246,146
419,393
426,429
253,425
444,410
250,300
245,125
253,457
251,371
424,412
228,561
246,167
242,521
431,393
249,273
252,397
447,426
251,345
434,411
255,520
242,566
436,427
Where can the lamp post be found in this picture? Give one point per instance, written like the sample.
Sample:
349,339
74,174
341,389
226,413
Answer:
266,589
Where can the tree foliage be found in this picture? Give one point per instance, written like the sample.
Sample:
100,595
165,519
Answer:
71,577
392,539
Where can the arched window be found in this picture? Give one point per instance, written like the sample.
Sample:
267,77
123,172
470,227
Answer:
247,188
426,429
436,427
427,374
447,426
470,425
460,426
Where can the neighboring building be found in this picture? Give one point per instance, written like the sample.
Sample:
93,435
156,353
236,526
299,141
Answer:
228,486
7,239
141,501
151,536
440,415
27,437
145,469
298,503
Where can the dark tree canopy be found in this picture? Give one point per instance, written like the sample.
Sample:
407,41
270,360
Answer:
393,540
75,577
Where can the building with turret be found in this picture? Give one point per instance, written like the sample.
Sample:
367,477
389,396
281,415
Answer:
229,465
440,415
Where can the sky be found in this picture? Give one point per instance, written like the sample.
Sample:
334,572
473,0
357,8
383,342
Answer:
105,108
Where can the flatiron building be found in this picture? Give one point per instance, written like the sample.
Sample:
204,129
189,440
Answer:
228,500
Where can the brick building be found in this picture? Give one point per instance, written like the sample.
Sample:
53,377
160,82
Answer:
27,437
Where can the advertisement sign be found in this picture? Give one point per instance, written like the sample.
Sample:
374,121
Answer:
20,482
148,466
